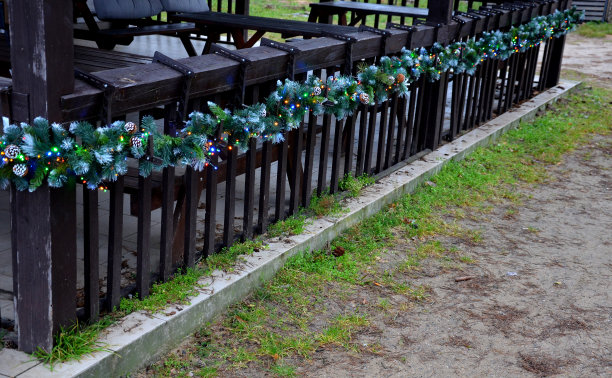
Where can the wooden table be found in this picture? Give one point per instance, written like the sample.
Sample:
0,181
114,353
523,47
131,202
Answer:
214,23
321,12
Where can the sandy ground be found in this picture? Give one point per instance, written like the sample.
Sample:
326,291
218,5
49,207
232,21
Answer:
539,304
590,57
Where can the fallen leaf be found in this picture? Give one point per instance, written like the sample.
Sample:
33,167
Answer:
240,319
338,251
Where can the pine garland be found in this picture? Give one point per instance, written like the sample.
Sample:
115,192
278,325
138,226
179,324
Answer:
32,153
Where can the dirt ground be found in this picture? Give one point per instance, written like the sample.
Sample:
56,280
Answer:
539,303
591,58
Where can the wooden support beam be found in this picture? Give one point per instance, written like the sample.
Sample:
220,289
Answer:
43,252
440,11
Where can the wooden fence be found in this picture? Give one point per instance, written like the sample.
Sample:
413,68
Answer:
275,179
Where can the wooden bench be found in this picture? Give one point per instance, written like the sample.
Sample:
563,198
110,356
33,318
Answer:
321,12
109,34
213,24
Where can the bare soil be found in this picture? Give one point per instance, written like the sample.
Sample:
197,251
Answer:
539,303
588,58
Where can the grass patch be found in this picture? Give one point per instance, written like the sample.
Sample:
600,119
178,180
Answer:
467,259
353,185
293,225
74,342
177,290
283,370
326,204
342,330
227,258
593,29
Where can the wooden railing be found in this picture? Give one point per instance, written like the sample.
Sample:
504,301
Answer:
311,160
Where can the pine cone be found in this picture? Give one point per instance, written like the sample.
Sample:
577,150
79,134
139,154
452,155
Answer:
135,142
364,98
130,127
11,151
20,170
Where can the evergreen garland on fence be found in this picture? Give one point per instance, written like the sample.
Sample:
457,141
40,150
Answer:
33,153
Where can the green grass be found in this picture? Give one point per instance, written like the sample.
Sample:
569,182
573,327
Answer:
353,185
326,204
594,29
293,225
283,370
74,342
278,321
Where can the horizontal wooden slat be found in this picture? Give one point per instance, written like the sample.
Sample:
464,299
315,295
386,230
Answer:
151,30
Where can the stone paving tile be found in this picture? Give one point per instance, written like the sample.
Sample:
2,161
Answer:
13,362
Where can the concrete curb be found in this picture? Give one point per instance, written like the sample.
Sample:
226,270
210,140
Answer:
140,338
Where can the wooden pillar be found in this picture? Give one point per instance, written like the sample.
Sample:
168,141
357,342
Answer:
434,94
440,11
43,223
242,7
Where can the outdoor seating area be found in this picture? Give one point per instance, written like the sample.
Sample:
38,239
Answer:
81,246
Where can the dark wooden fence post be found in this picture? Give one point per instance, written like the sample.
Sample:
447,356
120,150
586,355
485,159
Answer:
440,11
556,57
43,223
434,95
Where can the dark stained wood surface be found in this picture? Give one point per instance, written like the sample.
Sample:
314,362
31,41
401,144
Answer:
165,29
44,254
226,21
91,237
369,8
